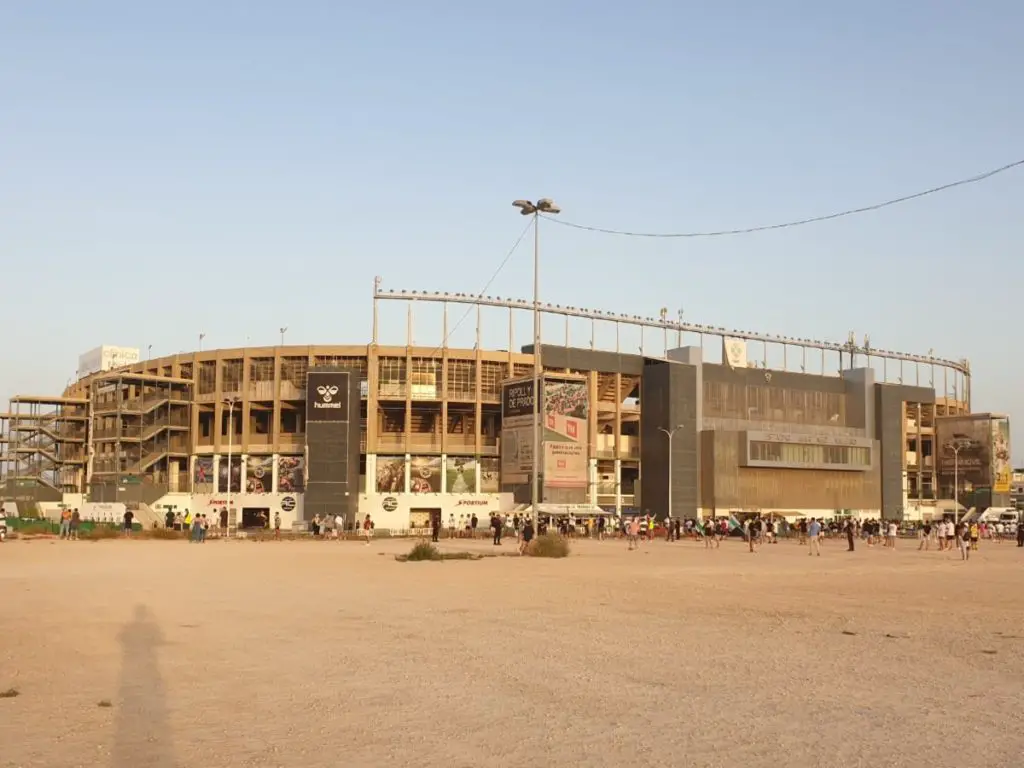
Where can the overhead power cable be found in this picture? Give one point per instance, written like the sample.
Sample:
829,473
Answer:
798,222
490,281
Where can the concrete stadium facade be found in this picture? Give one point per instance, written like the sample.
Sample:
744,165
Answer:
173,432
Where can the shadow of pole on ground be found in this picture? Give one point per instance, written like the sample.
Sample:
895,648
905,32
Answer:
142,738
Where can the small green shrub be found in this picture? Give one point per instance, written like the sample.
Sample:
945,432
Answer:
99,532
163,534
423,550
35,529
549,545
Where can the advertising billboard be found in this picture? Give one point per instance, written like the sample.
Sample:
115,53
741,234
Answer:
390,474
291,474
327,396
202,475
976,450
235,474
425,474
259,474
106,358
461,471
565,434
517,431
1001,470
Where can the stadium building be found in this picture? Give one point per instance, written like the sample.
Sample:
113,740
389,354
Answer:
694,420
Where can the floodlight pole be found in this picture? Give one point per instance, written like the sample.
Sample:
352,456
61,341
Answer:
669,433
535,488
527,208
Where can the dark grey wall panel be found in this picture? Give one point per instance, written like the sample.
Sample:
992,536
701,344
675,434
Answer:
670,397
889,399
332,448
588,359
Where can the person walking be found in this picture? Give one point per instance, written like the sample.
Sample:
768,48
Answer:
814,537
1020,533
527,537
496,525
849,535
76,521
65,523
277,525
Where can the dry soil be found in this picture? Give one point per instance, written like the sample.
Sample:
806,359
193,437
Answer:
329,654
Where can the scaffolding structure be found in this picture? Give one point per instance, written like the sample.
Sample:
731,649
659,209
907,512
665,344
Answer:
141,432
44,447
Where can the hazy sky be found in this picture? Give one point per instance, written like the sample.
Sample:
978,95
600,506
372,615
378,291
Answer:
231,167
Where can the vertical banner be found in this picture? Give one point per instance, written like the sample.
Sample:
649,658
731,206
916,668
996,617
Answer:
259,474
1001,471
235,474
517,431
490,475
425,474
461,471
291,474
390,474
734,352
565,433
202,475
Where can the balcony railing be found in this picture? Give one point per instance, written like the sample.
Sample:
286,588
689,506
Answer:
392,390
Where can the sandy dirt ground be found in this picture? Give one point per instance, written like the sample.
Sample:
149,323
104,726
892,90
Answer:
329,654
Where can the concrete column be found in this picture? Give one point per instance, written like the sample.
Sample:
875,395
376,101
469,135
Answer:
444,473
371,474
274,473
618,487
244,461
216,473
592,482
408,473
477,471
191,473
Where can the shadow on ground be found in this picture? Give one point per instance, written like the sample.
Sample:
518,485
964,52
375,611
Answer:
143,736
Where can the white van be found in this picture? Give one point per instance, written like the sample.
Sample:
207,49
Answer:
1004,515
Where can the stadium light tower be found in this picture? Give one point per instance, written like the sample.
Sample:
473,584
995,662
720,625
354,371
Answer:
283,329
526,208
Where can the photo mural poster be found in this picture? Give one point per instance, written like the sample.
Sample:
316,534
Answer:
490,475
390,474
291,476
236,474
425,474
259,474
202,475
461,471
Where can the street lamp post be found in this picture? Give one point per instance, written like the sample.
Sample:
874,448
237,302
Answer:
526,208
669,433
201,337
956,445
230,403
284,330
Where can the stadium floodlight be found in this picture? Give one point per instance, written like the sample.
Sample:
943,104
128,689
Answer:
527,208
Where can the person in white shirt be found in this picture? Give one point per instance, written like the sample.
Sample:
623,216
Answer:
893,529
339,524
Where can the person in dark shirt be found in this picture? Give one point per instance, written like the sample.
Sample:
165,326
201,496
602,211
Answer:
435,526
496,525
527,536
169,519
849,535
128,517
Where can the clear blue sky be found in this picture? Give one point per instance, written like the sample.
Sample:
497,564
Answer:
230,167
